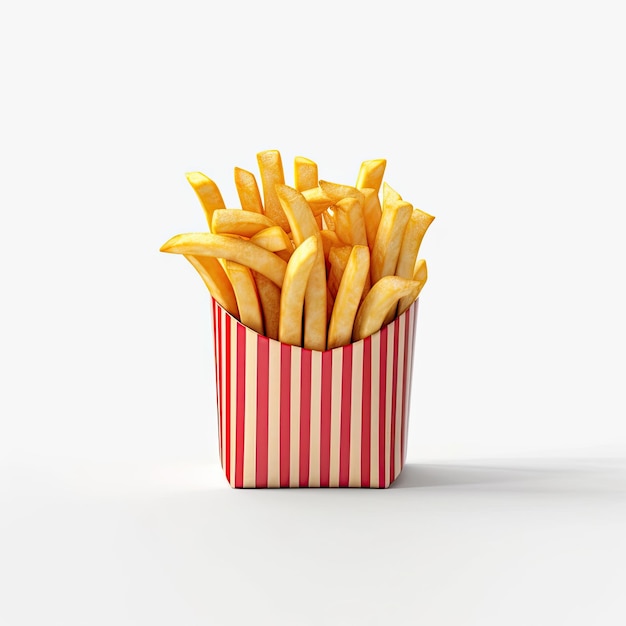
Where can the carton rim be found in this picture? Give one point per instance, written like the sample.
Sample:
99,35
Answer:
414,305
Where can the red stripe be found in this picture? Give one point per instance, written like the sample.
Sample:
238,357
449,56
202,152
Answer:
305,417
285,412
227,392
366,412
405,392
217,347
217,335
394,401
382,397
262,406
327,389
346,410
241,403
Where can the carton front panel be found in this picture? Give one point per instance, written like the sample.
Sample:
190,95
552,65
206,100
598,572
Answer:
290,417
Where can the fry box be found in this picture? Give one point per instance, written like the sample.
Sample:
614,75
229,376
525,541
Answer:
292,417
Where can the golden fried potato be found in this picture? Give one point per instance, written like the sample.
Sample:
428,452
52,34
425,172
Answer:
208,193
248,191
349,297
383,296
293,291
229,248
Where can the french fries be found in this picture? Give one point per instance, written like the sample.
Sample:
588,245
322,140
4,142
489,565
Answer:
303,226
305,177
418,223
247,298
248,191
329,241
348,297
304,174
244,223
349,222
293,292
272,174
208,193
382,296
316,264
231,249
317,199
337,192
372,212
371,174
269,296
388,241
274,239
214,277
420,274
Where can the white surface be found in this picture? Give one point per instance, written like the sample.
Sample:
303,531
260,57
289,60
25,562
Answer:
504,121
524,541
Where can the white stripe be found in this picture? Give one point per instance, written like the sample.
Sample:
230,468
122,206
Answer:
316,406
294,439
249,442
222,403
374,410
355,416
273,427
388,396
335,417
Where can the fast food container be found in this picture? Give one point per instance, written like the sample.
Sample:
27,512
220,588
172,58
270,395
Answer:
292,417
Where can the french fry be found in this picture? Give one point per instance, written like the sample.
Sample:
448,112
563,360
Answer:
208,193
349,222
350,227
329,219
338,259
216,280
303,226
371,174
292,295
421,270
269,295
330,303
337,192
304,174
239,222
248,191
229,248
371,214
420,274
272,174
390,195
383,296
418,223
329,240
348,297
389,239
273,238
247,298
317,199
305,177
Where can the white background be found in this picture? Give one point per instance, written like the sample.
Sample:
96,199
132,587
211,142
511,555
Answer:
504,120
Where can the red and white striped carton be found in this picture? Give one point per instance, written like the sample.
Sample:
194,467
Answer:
292,417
